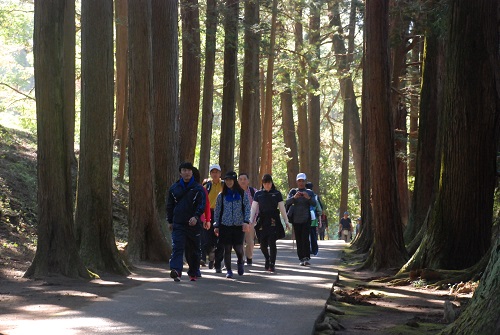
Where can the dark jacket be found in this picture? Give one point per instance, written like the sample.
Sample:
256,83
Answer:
302,210
185,201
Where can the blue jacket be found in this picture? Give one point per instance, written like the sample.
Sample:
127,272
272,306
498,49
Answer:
233,214
185,201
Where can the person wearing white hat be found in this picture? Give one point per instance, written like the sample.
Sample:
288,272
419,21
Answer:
298,205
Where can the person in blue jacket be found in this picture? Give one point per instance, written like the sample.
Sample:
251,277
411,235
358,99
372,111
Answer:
185,205
232,216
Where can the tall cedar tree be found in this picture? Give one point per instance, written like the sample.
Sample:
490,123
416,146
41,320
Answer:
121,123
165,101
146,240
227,141
190,82
207,112
250,108
94,217
56,251
266,162
314,104
289,129
388,249
69,74
459,227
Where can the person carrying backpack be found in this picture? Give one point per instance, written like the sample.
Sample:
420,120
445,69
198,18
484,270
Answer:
232,215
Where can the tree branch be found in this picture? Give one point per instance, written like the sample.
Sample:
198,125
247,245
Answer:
18,91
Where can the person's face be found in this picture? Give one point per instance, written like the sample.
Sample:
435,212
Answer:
186,174
267,185
243,181
301,184
229,182
215,175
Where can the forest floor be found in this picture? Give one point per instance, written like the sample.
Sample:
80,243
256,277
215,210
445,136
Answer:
371,306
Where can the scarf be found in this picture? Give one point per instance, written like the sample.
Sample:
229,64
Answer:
232,196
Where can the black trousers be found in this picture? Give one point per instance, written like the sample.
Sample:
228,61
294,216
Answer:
302,231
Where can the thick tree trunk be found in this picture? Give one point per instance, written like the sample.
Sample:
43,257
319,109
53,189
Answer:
165,109
302,124
250,88
289,130
121,116
207,113
267,129
94,217
69,41
145,239
56,251
227,141
314,105
425,165
459,229
190,82
388,248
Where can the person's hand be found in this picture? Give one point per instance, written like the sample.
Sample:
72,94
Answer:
306,195
287,226
216,231
192,221
297,195
206,225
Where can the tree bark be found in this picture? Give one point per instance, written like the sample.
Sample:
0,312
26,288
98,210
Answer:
145,239
94,208
207,113
388,248
69,74
227,145
165,109
461,219
250,108
190,82
56,251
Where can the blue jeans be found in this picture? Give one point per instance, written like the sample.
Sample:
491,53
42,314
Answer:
185,239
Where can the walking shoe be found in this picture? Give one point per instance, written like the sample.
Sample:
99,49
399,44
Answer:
272,268
198,274
175,275
249,261
218,271
192,278
303,262
241,269
211,265
306,262
229,274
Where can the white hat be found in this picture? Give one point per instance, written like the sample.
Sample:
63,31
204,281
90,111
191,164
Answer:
214,166
301,176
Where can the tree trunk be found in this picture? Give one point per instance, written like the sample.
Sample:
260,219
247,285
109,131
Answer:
165,91
94,207
289,130
388,248
69,41
190,82
121,118
302,124
267,129
314,105
227,140
56,251
459,228
145,239
207,113
482,314
425,165
250,88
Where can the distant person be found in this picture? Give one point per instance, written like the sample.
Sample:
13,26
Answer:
358,225
298,202
268,205
345,227
322,229
209,240
185,205
315,222
244,182
232,211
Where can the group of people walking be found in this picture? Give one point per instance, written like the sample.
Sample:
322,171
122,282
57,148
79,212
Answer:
210,219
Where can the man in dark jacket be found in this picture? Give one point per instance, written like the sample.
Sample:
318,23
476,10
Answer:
299,201
185,205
